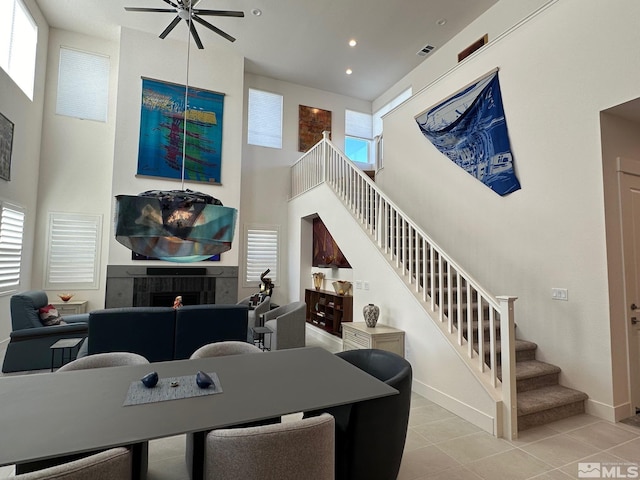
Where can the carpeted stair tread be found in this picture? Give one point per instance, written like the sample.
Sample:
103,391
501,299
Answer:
534,368
521,345
547,398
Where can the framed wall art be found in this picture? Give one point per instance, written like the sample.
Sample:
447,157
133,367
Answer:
161,143
6,146
311,123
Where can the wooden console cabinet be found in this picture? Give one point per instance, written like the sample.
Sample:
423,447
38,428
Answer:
357,335
328,310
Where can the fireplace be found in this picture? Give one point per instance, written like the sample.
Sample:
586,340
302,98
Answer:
144,286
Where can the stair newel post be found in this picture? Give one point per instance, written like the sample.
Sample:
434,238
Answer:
325,156
508,363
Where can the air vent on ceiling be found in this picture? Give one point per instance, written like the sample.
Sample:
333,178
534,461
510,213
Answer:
426,50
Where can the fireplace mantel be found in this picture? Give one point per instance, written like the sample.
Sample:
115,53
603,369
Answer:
134,285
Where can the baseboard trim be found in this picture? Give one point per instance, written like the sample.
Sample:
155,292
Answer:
467,412
608,412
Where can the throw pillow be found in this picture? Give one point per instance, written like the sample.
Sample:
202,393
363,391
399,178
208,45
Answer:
256,299
49,316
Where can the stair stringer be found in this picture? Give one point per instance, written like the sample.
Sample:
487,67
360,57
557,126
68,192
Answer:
440,370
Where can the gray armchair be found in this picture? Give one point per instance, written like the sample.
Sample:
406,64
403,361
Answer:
30,340
288,325
254,315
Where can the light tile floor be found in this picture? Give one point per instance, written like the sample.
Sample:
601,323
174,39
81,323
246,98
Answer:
442,446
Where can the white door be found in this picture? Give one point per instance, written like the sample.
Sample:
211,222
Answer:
630,211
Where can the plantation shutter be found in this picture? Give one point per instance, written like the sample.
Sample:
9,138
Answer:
11,230
262,253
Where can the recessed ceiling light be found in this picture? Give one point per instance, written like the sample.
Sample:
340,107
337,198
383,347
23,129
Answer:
256,11
349,71
442,21
352,43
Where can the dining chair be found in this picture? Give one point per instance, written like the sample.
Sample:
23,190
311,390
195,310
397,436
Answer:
112,464
284,451
220,349
101,360
195,442
370,435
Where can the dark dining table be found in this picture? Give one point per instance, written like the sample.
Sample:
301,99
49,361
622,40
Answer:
48,415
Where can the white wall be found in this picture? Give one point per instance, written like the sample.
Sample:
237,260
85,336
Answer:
438,372
214,68
265,171
555,80
22,189
76,161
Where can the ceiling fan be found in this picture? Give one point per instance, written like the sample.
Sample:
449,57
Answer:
185,10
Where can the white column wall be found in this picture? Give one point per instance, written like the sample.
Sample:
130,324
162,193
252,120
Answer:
22,189
214,68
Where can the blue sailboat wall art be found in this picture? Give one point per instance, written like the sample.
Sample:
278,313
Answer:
471,130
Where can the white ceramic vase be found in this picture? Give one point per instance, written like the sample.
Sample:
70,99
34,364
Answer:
370,313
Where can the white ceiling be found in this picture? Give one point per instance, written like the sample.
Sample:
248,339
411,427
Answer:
300,41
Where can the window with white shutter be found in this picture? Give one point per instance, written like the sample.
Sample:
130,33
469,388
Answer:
73,253
18,44
261,253
358,136
11,231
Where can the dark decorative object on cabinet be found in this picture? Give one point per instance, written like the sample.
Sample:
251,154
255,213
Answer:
326,252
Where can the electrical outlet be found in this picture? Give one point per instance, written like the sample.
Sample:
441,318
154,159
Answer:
560,294
358,284
366,285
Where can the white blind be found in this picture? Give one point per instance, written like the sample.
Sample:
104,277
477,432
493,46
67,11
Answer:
18,44
83,85
265,119
73,250
358,124
11,230
262,253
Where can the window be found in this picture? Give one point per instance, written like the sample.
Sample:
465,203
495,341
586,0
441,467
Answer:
18,42
73,252
262,252
11,229
357,138
83,85
265,119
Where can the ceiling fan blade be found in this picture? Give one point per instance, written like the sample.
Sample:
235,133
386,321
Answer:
195,35
215,29
170,3
139,9
219,13
170,27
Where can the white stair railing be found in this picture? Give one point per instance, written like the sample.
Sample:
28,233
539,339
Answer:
461,307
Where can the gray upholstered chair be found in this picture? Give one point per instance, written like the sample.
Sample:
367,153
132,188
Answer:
288,325
195,442
221,349
284,451
30,340
100,360
255,313
113,464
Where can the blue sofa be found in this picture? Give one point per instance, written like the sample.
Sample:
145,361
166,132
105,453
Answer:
29,341
163,333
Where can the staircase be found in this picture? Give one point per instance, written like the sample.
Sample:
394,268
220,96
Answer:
478,325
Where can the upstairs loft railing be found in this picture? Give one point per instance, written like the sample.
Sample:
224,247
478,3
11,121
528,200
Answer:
479,325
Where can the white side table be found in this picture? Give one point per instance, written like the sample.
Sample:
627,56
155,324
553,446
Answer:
72,307
357,335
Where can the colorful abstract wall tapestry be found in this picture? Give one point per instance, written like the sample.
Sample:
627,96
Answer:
470,128
162,128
